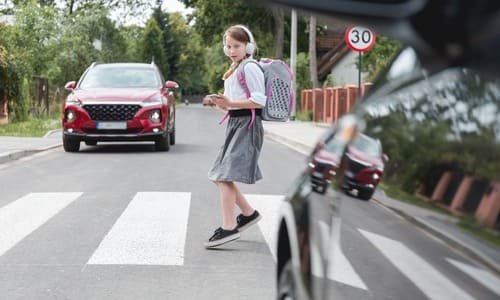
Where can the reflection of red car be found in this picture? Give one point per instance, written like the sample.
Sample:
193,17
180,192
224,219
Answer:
119,102
364,166
324,162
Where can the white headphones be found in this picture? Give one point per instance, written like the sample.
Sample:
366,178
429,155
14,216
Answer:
250,47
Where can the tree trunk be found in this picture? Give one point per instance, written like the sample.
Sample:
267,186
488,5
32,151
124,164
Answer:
313,67
70,6
279,31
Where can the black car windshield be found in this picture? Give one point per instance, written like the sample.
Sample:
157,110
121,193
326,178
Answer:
367,145
120,78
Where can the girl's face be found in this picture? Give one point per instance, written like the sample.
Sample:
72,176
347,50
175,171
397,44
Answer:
236,50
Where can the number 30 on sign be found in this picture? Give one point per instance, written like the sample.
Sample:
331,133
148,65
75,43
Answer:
359,38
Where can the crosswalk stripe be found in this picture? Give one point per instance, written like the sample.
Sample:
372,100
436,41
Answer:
23,216
482,276
340,269
150,231
268,206
432,283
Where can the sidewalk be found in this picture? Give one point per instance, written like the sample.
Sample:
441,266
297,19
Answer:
13,148
302,137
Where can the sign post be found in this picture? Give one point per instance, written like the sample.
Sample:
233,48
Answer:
359,39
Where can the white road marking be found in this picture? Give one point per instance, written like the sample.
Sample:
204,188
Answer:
430,281
23,216
341,269
268,206
484,277
151,231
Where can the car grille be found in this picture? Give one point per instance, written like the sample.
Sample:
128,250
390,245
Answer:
355,166
111,112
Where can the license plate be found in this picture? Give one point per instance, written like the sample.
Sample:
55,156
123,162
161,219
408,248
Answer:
111,125
318,174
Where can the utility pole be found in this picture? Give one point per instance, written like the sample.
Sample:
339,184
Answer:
293,61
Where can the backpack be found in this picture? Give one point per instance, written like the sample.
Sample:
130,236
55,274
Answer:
278,85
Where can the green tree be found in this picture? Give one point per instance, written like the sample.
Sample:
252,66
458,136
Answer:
28,45
376,60
76,46
131,34
151,48
187,57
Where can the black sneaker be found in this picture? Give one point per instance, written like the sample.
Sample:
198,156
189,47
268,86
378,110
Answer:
222,236
243,222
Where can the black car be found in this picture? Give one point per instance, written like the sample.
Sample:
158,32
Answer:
436,113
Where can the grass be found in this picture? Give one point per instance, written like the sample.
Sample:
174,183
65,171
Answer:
469,225
465,223
303,116
33,127
396,193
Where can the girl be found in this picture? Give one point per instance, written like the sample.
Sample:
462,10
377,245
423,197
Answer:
237,159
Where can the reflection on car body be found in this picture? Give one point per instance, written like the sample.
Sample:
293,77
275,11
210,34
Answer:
363,166
435,111
324,162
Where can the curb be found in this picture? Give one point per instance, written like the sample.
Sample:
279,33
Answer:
447,238
24,153
294,145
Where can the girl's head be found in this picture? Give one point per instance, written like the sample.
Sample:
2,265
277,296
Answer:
238,43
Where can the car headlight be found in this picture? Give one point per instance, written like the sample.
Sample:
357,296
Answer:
70,115
73,101
375,176
154,101
155,116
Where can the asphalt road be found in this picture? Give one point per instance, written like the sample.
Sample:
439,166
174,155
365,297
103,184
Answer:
120,221
87,240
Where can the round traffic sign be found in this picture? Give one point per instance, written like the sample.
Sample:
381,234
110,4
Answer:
359,38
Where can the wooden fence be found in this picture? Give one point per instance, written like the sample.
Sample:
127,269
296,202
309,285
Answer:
328,104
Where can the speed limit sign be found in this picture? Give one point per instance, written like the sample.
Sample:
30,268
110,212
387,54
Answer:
359,38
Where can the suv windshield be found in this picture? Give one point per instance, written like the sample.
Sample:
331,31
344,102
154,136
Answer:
367,145
120,77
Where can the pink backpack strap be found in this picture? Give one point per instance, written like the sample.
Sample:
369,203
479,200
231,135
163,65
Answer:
241,78
224,118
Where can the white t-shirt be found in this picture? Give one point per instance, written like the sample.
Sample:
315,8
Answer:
255,82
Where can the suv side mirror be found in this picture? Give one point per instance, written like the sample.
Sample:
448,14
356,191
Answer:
171,85
71,85
385,158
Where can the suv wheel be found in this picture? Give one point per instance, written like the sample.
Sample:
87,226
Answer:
172,133
163,143
366,194
70,145
287,287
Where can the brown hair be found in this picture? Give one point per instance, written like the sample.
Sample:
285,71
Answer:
239,34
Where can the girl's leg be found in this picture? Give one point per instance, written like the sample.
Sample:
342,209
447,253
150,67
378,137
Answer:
242,202
228,200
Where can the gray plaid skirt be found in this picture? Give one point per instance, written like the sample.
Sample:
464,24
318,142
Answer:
238,157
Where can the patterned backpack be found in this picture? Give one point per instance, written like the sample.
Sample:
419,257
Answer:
278,83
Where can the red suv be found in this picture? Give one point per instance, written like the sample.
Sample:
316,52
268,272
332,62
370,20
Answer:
364,166
119,102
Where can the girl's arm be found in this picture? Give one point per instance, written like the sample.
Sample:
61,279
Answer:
224,102
254,79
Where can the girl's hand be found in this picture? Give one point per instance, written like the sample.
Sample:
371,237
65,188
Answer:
221,101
